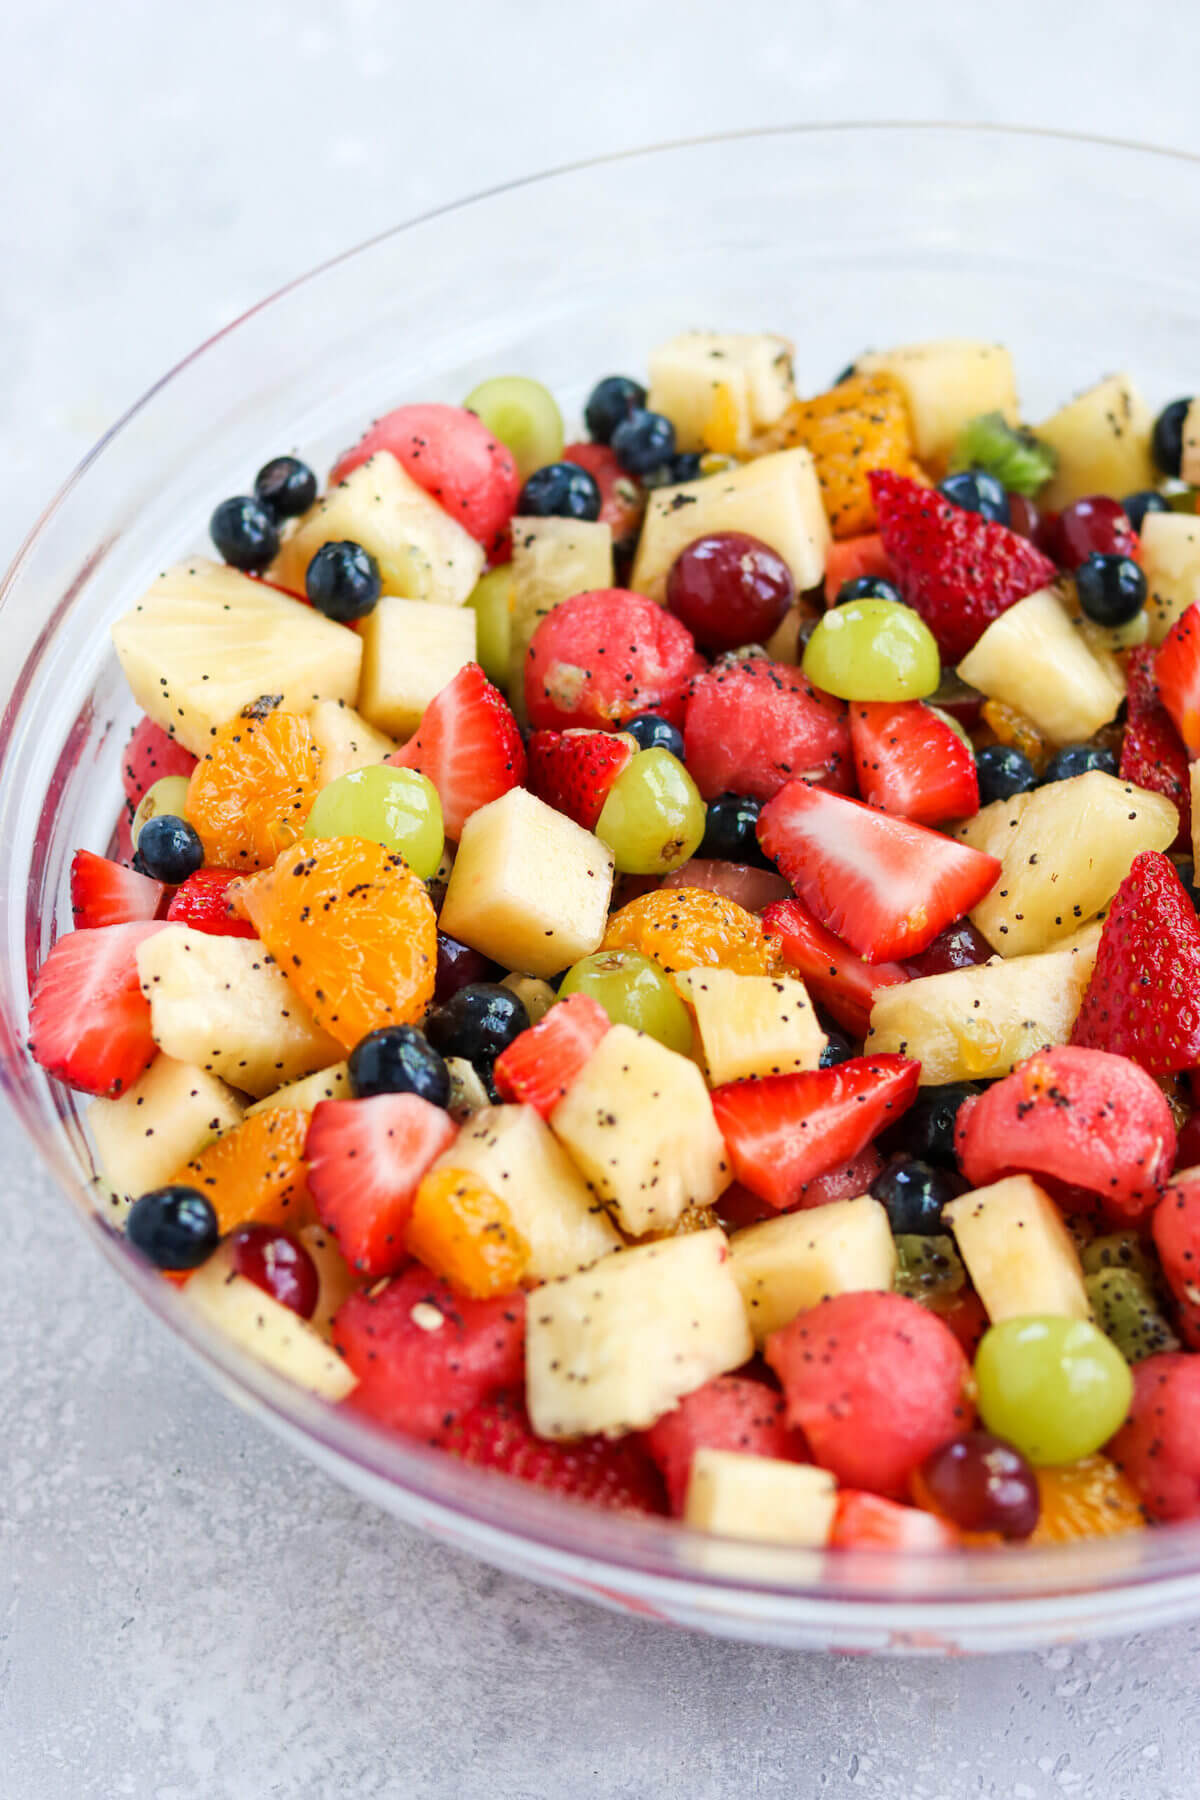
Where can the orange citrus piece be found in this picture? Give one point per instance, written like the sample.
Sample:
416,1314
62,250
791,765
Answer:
352,928
690,928
861,424
252,790
1087,1499
1008,726
254,1174
459,1229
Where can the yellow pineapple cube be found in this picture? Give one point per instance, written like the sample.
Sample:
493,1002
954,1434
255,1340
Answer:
1170,558
553,560
307,1093
752,1024
266,1329
725,385
145,1136
345,740
946,384
1019,1254
742,1496
1035,660
1102,441
410,651
788,1264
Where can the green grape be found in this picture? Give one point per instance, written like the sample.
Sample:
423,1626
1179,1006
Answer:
491,602
166,796
633,990
522,414
653,818
873,650
1054,1387
394,807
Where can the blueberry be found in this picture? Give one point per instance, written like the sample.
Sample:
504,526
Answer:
245,533
399,1059
868,587
913,1194
1167,441
1078,759
342,581
683,466
1003,772
285,486
926,1131
644,441
847,374
477,1023
173,1227
978,492
650,732
560,490
610,401
1146,500
1112,589
730,829
168,849
838,1047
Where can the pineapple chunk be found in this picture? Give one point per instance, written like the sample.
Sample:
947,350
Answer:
535,995
743,1496
514,1153
1034,659
337,1280
223,1004
613,1348
976,1024
423,553
1073,844
1102,440
467,1092
552,560
144,1136
639,1123
205,640
1019,1254
786,1265
1189,466
266,1329
730,383
410,651
946,384
1170,559
529,887
303,1095
776,498
345,740
752,1024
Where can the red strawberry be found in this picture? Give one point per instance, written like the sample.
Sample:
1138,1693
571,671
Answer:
451,454
885,886
424,1355
622,496
730,1413
573,770
1153,757
202,901
738,1206
89,1022
107,893
1082,1116
959,570
1177,672
1141,688
496,1434
782,1130
1158,1446
150,755
854,557
1176,1228
365,1163
751,726
601,657
468,745
539,1066
869,1522
912,763
841,981
1143,999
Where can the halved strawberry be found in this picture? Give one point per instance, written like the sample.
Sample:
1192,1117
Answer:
865,1521
496,1434
451,454
1177,672
737,1206
1153,757
731,1412
202,901
1143,998
539,1066
1176,1228
365,1162
600,657
573,770
107,893
150,755
911,763
1141,688
622,496
782,1130
752,725
89,1023
469,746
853,557
844,984
887,887
957,569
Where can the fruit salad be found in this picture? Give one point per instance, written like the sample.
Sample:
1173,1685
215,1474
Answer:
666,966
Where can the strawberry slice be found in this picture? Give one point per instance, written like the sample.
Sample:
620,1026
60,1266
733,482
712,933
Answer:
622,496
1177,672
89,1022
852,557
731,1412
202,901
782,1130
959,570
884,885
599,658
869,1522
753,725
539,1066
911,763
1153,757
107,893
365,1163
468,745
841,981
1143,999
150,755
496,1434
573,770
1141,688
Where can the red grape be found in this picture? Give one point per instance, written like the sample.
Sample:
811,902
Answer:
281,1267
960,946
729,589
1096,524
983,1484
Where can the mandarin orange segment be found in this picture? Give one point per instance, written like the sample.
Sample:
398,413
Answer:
252,790
1087,1499
352,928
461,1230
1008,726
255,1174
690,928
860,425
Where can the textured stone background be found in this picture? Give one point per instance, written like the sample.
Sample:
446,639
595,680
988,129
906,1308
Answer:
187,1611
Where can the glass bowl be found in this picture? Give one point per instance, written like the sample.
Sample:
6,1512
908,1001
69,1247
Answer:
1078,254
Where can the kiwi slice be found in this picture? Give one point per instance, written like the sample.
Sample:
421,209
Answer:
1126,1311
929,1269
1121,1250
1018,460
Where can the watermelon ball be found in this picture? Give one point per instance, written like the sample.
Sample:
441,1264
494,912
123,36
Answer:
729,589
603,657
450,453
561,490
1158,1446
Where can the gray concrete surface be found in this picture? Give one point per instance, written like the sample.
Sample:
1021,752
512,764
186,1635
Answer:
187,1611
